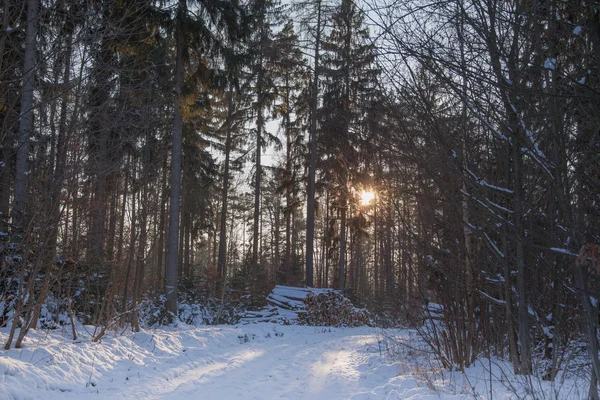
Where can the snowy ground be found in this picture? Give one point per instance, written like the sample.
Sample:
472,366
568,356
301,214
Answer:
256,361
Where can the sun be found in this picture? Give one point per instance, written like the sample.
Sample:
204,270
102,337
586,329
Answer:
366,197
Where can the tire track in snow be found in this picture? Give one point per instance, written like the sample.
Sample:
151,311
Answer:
301,365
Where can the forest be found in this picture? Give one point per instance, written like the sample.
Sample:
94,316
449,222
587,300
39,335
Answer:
421,156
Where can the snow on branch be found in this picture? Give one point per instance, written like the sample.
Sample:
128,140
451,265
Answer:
491,242
562,251
483,183
488,124
487,296
498,188
537,155
485,205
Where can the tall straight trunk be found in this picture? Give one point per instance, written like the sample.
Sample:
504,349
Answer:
346,123
325,246
389,248
351,266
289,186
132,241
310,201
214,244
119,258
524,337
160,257
323,252
182,228
277,233
112,222
257,183
186,248
193,255
564,213
140,259
375,252
74,248
176,155
409,270
61,150
360,266
508,287
209,248
288,237
295,244
231,233
72,184
342,259
469,342
154,251
6,152
99,137
256,217
99,206
26,119
407,253
5,183
259,131
225,189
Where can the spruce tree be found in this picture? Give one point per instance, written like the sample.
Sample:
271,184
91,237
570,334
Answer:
350,81
291,80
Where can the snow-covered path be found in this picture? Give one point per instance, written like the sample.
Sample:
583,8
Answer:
259,361
266,363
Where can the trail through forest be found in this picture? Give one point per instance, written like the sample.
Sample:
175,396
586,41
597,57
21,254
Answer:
257,361
261,361
182,158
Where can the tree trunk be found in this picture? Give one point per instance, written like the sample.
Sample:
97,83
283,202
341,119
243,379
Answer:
342,259
524,337
388,241
186,250
61,153
288,189
277,233
182,227
176,155
160,257
132,241
140,262
310,201
26,119
99,137
225,189
119,257
258,168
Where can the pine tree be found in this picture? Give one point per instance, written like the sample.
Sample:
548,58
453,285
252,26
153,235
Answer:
313,17
350,79
265,14
199,26
291,79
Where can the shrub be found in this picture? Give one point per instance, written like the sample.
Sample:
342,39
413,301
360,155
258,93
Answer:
194,308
